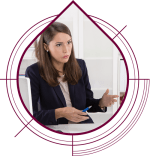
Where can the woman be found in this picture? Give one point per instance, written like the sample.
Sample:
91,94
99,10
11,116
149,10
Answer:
59,81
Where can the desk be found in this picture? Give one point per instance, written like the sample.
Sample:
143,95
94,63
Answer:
98,118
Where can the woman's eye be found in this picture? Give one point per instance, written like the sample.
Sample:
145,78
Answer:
58,45
69,42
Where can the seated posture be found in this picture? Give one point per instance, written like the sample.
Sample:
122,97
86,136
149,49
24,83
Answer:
60,82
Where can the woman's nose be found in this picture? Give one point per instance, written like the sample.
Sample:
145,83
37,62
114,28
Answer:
65,49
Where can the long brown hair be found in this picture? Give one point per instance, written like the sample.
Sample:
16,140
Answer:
47,71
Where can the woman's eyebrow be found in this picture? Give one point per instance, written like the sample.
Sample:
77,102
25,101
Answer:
62,42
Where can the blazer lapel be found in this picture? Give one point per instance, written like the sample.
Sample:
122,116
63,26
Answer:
71,91
60,95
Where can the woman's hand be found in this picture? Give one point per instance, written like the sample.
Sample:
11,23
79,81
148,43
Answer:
71,113
107,100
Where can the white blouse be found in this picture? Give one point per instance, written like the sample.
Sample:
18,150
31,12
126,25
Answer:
65,91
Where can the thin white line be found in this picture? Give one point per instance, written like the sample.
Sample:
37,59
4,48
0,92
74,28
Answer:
101,88
100,58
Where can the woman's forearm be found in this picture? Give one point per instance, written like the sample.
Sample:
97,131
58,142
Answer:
59,113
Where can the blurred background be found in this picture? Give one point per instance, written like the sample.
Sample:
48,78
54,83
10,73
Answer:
105,65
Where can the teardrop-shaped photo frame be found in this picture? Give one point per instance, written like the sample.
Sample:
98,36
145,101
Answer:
103,56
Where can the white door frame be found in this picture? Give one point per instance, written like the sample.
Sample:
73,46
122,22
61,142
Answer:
116,76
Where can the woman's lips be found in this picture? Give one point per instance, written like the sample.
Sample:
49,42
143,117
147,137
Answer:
66,56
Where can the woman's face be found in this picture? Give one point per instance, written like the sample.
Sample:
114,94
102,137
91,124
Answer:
60,48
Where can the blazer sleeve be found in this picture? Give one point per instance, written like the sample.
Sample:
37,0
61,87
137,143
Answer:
89,94
46,117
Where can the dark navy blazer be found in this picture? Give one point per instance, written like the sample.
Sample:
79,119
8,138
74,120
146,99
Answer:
52,98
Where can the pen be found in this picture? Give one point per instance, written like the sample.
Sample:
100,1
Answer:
86,109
